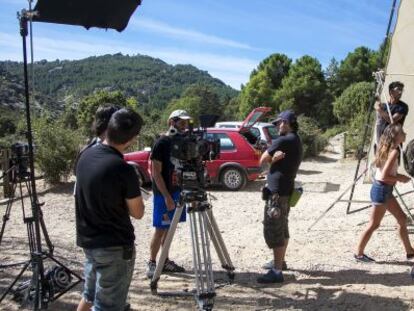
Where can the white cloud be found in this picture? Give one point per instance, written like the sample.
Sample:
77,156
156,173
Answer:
185,34
230,69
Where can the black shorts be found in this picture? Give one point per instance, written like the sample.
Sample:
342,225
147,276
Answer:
276,230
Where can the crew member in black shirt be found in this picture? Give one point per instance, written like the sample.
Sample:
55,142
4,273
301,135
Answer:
166,190
398,109
107,194
284,157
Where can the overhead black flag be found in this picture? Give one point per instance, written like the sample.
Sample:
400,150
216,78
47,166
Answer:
113,14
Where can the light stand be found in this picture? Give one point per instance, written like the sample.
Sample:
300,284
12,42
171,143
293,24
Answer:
42,288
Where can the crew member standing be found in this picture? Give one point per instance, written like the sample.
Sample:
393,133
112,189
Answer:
166,191
398,109
107,194
284,157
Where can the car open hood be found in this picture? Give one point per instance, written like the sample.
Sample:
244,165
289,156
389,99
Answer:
254,116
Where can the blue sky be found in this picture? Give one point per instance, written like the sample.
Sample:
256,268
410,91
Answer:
226,38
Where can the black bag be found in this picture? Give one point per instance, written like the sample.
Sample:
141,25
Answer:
408,156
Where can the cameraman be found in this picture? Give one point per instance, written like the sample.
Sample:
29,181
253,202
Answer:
107,194
284,157
166,190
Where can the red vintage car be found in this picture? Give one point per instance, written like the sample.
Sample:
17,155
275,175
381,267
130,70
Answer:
238,163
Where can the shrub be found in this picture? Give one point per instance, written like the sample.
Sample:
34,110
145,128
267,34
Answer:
311,135
56,148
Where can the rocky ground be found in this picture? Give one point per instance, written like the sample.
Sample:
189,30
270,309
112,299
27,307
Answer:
322,272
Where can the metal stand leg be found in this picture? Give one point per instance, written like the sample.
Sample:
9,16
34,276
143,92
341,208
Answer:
352,186
219,245
405,205
203,226
165,249
6,215
203,270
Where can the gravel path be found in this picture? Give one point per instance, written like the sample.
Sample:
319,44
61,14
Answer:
322,276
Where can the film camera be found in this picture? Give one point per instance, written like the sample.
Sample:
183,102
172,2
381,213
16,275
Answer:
190,150
19,161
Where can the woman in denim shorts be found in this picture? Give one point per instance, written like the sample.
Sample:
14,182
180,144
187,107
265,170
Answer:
386,176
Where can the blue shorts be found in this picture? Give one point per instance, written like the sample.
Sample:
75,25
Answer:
161,217
380,192
108,273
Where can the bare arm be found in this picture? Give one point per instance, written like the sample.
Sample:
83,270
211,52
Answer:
156,169
136,207
267,158
386,176
385,115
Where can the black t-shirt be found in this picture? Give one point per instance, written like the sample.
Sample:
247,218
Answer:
281,176
103,182
400,108
162,152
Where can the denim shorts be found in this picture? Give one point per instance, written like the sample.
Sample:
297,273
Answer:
108,273
380,192
161,217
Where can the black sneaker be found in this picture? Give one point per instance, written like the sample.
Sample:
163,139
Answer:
363,258
270,265
171,266
271,277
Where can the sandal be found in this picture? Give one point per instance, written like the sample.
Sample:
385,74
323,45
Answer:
364,258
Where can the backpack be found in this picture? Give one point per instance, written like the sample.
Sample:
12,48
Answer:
408,157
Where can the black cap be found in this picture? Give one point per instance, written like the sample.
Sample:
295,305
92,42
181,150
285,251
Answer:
287,115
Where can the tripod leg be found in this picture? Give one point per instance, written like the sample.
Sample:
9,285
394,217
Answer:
165,249
15,281
219,245
6,216
202,260
337,200
45,233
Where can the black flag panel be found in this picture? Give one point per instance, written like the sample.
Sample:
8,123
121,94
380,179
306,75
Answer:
113,14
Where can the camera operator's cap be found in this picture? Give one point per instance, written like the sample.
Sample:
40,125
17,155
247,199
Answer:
287,115
179,114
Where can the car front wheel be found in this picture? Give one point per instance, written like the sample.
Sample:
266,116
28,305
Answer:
233,179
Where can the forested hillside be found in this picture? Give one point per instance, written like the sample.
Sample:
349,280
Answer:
149,80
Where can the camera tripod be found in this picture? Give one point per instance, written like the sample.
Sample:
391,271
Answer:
203,227
44,286
18,181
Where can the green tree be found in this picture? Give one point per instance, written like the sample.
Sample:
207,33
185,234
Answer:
354,101
304,91
310,134
258,92
231,109
351,110
331,77
56,148
196,100
263,82
89,105
276,67
358,66
7,126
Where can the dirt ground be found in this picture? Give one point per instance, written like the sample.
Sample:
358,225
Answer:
322,272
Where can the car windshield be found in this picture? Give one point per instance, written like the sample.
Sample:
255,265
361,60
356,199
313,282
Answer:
272,131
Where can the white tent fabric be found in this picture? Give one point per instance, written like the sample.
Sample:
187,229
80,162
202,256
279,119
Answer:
400,66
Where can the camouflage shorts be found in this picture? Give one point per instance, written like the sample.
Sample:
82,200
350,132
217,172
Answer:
276,230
